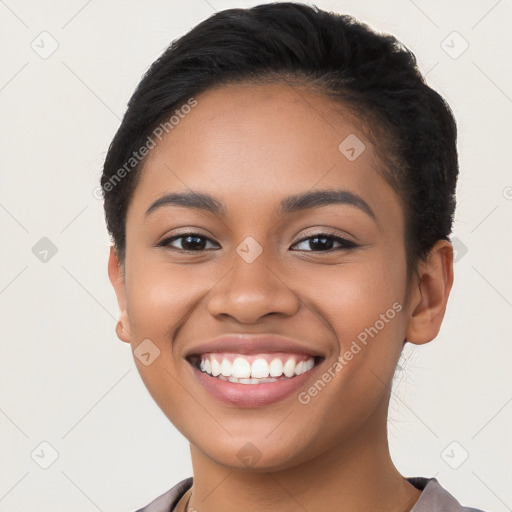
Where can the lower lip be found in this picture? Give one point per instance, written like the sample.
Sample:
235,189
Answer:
252,395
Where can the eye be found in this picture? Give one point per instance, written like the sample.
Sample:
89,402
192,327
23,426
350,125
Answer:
324,242
195,242
190,242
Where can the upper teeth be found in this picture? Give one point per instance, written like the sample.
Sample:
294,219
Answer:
241,368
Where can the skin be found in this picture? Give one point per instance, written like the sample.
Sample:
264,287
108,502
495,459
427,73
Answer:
251,146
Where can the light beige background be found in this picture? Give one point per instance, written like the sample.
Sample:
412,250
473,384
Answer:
66,380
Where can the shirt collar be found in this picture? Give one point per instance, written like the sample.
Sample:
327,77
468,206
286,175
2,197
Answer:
433,498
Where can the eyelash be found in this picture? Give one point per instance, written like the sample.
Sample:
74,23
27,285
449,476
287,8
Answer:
345,244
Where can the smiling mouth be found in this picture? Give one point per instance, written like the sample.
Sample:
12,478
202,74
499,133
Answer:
255,368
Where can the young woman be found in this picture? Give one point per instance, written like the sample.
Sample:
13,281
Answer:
280,195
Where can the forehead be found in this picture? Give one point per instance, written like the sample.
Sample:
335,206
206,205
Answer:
254,144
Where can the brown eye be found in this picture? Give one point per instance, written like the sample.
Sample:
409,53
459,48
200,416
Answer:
323,242
191,242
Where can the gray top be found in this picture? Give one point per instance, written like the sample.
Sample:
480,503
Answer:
433,498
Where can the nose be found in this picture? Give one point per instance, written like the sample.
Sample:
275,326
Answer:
251,291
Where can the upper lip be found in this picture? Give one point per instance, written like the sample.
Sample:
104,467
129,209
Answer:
252,344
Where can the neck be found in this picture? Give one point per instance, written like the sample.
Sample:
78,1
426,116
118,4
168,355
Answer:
357,474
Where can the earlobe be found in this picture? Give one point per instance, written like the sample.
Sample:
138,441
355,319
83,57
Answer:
431,294
122,333
115,274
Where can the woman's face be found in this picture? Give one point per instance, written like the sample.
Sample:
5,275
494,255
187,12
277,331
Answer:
267,264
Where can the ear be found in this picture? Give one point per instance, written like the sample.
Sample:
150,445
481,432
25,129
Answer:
116,276
429,296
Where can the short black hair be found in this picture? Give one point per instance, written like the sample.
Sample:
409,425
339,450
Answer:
372,74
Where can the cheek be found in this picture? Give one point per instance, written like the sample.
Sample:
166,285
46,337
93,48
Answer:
157,297
362,307
353,297
158,301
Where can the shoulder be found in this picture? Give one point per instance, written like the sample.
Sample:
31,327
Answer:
167,501
435,498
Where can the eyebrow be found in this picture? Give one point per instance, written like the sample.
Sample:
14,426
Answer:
290,204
